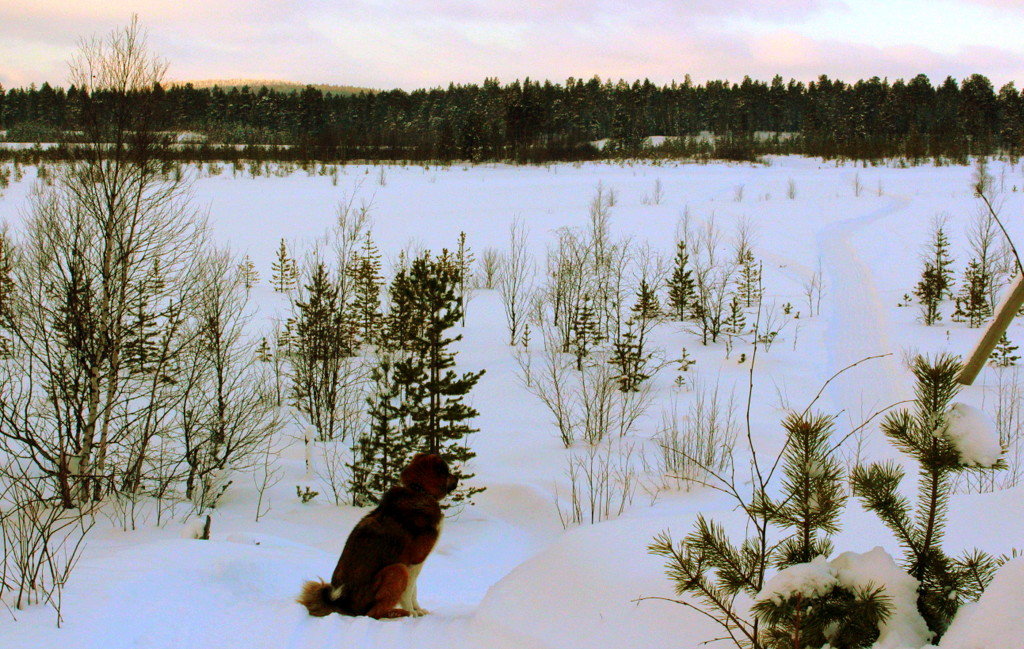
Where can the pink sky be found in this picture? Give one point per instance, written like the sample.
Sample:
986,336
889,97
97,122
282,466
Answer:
391,43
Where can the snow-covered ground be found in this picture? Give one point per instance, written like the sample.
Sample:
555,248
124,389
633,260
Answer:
506,573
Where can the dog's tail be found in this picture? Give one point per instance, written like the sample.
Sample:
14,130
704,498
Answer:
321,599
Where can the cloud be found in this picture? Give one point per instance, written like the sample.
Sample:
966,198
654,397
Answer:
398,43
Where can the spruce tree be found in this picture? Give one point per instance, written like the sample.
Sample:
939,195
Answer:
680,284
584,332
630,358
323,337
285,272
433,393
6,295
937,276
929,295
749,287
6,280
946,582
263,353
382,451
143,332
647,306
973,303
1005,353
250,276
464,258
736,321
367,283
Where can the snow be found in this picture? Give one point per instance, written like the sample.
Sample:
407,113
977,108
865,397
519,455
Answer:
905,627
505,573
812,579
851,570
974,434
996,619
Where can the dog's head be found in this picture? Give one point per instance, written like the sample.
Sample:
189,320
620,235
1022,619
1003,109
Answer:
430,472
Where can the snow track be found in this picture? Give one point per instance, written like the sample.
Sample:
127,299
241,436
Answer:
857,324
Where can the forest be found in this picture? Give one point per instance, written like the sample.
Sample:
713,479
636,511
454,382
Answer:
533,121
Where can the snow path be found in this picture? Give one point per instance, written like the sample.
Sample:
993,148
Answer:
857,324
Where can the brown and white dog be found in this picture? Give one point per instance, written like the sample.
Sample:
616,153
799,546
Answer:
376,574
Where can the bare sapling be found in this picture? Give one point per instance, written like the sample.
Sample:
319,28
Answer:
515,280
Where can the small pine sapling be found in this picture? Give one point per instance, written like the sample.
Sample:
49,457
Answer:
718,573
809,505
945,582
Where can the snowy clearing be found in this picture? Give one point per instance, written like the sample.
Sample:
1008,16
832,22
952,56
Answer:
505,573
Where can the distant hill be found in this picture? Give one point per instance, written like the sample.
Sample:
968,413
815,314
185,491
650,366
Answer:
272,84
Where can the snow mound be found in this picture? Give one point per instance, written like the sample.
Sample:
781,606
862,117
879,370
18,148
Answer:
581,592
904,628
974,434
812,579
995,620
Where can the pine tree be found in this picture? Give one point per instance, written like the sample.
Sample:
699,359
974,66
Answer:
680,285
250,276
714,570
367,281
808,508
946,582
285,273
432,392
1004,355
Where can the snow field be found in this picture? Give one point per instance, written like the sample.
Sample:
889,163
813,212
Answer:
505,573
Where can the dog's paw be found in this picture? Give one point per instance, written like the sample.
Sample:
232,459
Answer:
419,612
392,614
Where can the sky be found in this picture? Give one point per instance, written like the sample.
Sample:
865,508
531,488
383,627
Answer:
412,44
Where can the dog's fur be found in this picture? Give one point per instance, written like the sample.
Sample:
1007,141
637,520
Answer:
376,574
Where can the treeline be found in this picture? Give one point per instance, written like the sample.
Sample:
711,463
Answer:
536,121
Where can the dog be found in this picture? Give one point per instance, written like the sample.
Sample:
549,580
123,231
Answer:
376,574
